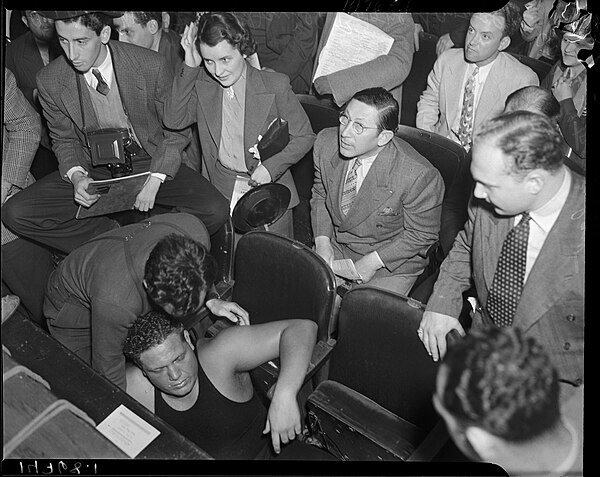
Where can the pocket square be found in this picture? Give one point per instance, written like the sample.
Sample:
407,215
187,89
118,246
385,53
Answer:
387,211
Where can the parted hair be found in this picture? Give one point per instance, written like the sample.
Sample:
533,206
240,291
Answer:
147,331
512,17
530,140
503,382
177,271
385,103
214,27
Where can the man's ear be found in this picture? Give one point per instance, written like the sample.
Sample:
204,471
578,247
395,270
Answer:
152,26
384,137
105,34
504,43
535,181
487,445
24,20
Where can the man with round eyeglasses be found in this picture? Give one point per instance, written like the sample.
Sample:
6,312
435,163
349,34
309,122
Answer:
375,199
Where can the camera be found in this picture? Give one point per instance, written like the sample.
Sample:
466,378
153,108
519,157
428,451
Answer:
113,148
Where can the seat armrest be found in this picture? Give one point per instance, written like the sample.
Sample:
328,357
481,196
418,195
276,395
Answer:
333,402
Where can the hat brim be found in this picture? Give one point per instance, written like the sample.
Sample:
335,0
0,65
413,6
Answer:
260,206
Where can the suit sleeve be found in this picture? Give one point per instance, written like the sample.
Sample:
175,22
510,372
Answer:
181,105
455,273
66,143
388,71
171,142
422,208
320,217
22,129
428,107
302,136
109,329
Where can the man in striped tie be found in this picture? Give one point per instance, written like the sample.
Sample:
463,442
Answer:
375,199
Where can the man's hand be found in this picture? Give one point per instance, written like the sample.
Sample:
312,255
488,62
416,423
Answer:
230,310
188,43
80,184
367,266
283,419
531,17
145,199
433,330
324,249
260,176
444,43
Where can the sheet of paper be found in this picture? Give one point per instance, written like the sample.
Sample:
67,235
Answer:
127,431
351,42
239,189
345,268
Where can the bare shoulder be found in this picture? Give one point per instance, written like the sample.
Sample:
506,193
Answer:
139,387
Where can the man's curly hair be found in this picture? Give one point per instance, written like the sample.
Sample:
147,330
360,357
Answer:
214,27
177,272
501,381
147,331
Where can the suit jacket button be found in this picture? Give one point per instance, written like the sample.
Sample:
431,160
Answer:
578,382
379,226
567,346
570,317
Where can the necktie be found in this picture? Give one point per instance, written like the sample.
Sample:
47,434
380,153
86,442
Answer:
465,129
349,192
509,276
101,87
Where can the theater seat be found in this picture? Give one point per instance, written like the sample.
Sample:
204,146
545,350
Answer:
278,278
322,113
376,403
448,158
416,81
540,67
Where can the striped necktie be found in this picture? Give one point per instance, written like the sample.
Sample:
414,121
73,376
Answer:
465,129
101,87
508,280
349,192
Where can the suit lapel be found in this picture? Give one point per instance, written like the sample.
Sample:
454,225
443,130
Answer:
70,99
456,73
256,115
557,258
210,97
374,191
493,238
491,95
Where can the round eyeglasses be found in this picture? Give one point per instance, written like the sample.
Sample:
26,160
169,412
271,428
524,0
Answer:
358,128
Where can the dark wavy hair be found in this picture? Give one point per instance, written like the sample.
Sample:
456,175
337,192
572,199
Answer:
177,271
149,330
214,27
95,21
501,381
385,103
532,140
143,18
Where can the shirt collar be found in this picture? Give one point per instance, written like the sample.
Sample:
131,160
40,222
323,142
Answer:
106,70
546,215
239,87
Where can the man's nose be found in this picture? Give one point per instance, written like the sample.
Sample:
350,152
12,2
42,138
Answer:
174,373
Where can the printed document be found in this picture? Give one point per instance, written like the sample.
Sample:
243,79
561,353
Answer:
351,42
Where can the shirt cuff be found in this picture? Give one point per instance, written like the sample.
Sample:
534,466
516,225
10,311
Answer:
379,259
160,176
74,169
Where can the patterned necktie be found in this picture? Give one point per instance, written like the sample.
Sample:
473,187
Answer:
349,192
101,87
465,129
510,273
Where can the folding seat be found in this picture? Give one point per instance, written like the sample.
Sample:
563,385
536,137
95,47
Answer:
448,158
416,81
376,403
322,113
279,278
